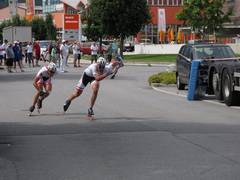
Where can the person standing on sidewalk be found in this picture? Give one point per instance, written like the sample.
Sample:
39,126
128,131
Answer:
37,52
30,54
76,54
63,55
9,57
1,54
94,52
3,48
17,55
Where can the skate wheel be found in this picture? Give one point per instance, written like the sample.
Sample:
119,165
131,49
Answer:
30,114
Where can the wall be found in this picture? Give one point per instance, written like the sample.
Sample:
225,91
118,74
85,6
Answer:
157,48
5,13
169,48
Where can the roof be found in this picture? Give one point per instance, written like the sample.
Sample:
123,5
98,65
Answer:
74,3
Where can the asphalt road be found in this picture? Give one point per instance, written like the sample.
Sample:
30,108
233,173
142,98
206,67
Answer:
139,134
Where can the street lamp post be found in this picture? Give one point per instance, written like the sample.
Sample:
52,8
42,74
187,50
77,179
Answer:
80,27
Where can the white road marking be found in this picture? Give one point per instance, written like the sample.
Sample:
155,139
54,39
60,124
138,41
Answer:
185,96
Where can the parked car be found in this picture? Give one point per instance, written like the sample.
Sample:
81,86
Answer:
222,74
86,48
128,47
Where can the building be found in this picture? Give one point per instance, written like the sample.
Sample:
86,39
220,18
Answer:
168,8
9,8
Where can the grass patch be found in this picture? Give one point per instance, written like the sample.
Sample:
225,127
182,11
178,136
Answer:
157,58
146,58
163,78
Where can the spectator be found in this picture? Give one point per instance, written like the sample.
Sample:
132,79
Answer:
16,60
1,56
3,48
21,54
76,54
114,48
109,53
30,54
68,49
9,57
94,52
54,54
37,52
58,53
63,55
49,51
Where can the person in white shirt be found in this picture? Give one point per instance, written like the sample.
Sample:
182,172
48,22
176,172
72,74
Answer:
94,52
76,54
63,55
30,54
3,48
93,74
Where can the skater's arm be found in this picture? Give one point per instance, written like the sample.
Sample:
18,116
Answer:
36,79
101,77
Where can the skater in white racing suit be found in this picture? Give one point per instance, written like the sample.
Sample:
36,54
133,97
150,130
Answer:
43,81
93,74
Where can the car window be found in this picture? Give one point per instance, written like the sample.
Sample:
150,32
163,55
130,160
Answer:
214,52
186,52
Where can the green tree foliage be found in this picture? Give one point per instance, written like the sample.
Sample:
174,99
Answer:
206,16
42,29
39,28
50,28
118,18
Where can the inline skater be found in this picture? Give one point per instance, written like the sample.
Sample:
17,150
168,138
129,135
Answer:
93,74
42,81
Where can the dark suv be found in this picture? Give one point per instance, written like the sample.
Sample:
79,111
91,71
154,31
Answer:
207,52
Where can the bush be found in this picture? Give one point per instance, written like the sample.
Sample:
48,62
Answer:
163,77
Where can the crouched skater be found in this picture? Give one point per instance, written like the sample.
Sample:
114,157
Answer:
42,81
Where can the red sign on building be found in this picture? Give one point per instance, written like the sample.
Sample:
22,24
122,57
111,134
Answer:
71,21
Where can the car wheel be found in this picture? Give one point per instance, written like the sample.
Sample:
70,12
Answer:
180,85
230,97
216,85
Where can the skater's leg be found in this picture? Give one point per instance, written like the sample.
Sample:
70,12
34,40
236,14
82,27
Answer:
95,87
43,95
74,95
39,89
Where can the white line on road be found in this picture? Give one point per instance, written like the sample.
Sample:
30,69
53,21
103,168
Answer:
185,96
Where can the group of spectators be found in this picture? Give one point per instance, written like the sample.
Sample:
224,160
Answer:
11,55
14,54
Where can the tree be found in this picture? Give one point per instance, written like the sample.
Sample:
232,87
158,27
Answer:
204,16
51,29
39,28
119,18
